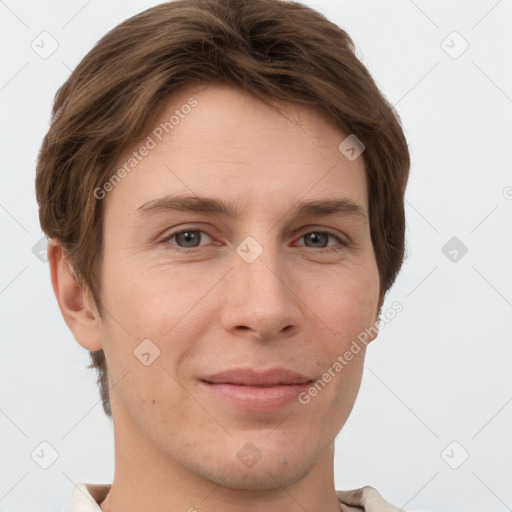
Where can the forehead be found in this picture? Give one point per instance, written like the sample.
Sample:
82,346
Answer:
217,141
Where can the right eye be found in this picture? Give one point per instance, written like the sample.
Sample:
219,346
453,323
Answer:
188,237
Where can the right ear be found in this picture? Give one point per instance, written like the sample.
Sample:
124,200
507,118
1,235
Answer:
78,310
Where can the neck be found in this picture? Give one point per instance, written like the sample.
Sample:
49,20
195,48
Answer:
147,478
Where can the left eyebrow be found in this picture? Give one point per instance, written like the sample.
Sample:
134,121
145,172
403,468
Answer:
343,207
316,208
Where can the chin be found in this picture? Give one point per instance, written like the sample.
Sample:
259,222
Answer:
259,478
274,469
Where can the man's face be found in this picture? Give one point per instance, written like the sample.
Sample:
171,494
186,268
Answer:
268,288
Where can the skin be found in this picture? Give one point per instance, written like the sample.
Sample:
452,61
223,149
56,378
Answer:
294,306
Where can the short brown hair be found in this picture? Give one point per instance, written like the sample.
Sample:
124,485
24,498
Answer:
273,49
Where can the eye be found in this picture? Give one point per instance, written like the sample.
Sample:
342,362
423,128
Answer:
320,238
186,239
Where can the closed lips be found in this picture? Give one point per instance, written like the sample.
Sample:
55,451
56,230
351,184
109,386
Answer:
249,377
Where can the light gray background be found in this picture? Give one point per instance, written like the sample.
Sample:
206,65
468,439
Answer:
438,373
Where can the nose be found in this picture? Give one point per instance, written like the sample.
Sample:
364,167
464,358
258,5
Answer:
261,297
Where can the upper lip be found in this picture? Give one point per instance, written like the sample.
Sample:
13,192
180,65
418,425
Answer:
250,377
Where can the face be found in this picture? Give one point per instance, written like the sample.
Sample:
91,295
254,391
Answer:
191,291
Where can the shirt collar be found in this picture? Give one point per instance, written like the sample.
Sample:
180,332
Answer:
86,497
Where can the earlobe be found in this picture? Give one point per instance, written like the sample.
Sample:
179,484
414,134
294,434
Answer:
72,300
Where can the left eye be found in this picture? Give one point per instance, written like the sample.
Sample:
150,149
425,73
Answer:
316,236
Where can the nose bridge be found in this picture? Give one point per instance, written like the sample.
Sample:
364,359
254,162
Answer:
257,266
260,296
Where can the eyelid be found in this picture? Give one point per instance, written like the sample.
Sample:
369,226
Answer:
166,238
342,242
320,229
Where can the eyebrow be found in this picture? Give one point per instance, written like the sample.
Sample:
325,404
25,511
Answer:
316,208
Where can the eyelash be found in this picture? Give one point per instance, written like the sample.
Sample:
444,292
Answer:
168,238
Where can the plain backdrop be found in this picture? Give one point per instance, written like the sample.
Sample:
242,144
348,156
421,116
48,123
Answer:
431,426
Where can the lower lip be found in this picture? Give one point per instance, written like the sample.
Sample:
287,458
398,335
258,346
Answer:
254,398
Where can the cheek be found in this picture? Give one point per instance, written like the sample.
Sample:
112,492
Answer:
155,399
152,319
346,303
145,301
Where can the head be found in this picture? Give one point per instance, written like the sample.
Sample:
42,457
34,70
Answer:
247,103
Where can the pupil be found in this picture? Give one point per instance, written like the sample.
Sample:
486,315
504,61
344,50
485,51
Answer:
315,236
189,237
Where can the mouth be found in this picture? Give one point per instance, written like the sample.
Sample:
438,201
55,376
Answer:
250,377
256,398
255,385
254,391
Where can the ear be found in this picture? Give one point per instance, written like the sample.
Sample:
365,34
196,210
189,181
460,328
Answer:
77,308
